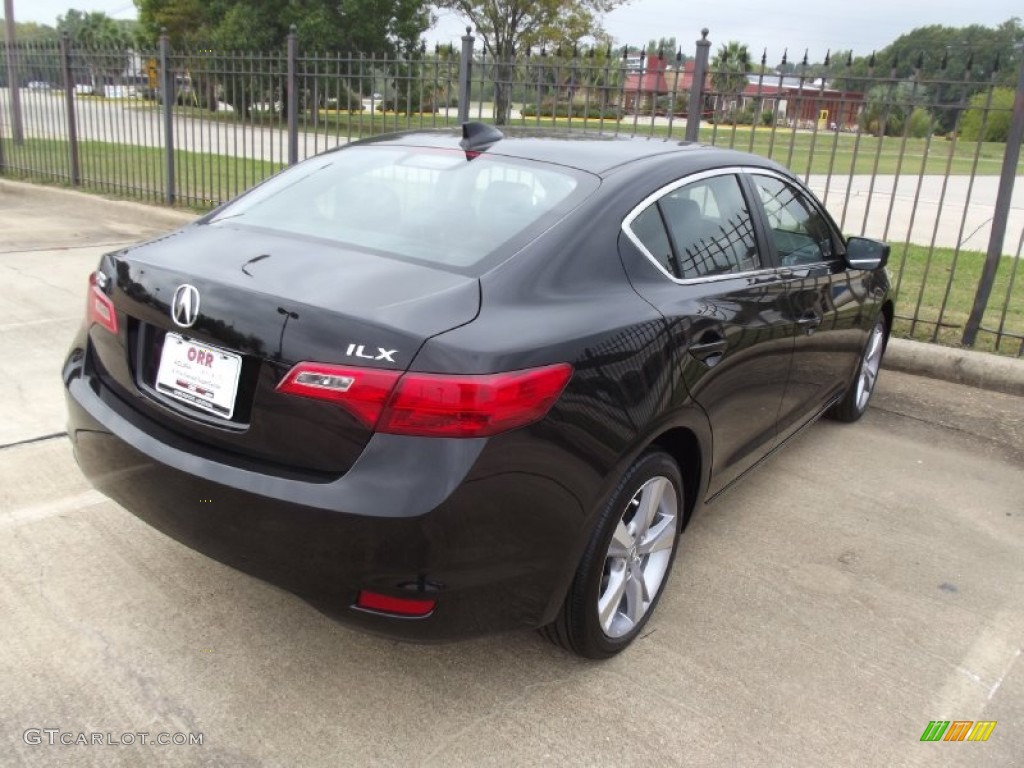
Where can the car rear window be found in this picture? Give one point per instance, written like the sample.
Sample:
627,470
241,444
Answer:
445,207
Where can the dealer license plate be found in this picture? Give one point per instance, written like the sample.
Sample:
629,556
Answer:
202,376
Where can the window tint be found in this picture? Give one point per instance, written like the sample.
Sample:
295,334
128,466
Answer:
432,205
650,229
800,233
711,228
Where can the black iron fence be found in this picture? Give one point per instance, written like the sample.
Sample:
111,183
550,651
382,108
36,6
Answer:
922,156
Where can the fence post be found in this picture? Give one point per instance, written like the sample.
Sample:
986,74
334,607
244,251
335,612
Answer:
696,106
1001,213
74,165
466,75
17,130
293,99
169,94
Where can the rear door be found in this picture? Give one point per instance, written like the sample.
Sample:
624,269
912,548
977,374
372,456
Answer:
726,303
825,302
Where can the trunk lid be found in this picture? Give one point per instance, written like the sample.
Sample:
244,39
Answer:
266,302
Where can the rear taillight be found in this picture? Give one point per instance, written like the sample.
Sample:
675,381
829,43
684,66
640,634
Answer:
433,404
361,391
100,309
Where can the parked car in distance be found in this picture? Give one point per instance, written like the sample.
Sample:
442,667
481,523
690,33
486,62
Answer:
38,85
441,384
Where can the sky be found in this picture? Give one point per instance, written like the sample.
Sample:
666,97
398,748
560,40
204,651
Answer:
818,25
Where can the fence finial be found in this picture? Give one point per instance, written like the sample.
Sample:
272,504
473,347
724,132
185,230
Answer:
828,57
764,58
704,33
785,57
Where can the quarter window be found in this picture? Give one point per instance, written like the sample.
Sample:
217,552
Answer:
800,233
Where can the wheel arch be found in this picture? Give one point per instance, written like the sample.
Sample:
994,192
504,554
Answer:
684,447
889,312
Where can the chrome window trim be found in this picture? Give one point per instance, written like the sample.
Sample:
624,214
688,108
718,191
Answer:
627,228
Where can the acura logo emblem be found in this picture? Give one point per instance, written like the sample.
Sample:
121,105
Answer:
185,305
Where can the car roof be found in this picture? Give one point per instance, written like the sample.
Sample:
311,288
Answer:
596,153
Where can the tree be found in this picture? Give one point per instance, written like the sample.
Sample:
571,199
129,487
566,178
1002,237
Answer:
100,44
92,30
887,108
955,63
665,45
32,32
509,26
992,124
339,26
729,70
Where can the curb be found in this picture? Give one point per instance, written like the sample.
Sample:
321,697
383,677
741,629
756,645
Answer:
959,366
97,205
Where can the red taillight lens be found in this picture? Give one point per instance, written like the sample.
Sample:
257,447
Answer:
433,404
400,606
361,391
438,405
100,309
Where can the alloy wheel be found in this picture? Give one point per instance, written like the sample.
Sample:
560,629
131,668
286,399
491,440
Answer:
638,556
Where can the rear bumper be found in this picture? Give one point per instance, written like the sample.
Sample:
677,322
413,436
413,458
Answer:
414,517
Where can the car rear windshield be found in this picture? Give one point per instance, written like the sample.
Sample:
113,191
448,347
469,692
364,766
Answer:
445,207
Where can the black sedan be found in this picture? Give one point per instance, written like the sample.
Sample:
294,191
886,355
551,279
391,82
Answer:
442,384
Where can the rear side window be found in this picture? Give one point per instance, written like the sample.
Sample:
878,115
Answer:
707,226
435,205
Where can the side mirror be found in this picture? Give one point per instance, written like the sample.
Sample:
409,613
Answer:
865,253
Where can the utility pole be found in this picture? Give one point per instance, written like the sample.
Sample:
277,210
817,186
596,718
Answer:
12,73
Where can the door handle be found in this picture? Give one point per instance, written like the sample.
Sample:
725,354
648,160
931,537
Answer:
809,321
710,349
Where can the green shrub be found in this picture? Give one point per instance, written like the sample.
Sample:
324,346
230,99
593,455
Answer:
548,109
996,125
921,123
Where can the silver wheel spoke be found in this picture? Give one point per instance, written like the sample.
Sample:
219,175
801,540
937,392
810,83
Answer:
660,537
650,500
608,604
636,596
622,541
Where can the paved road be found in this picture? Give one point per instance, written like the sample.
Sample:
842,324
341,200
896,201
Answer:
863,582
919,210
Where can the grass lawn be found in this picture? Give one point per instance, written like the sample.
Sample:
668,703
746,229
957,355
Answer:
940,288
202,180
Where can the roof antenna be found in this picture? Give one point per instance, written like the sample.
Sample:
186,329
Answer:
477,137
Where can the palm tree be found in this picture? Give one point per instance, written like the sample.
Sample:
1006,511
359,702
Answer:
729,70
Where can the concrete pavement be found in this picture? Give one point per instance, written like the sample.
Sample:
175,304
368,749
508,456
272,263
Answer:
864,581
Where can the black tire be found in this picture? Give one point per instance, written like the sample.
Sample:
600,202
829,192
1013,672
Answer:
858,394
579,627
